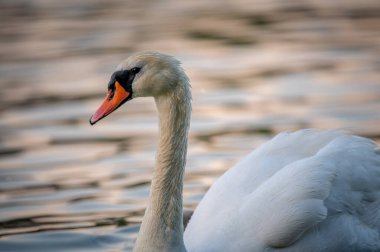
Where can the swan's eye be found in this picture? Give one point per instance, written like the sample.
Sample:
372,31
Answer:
135,70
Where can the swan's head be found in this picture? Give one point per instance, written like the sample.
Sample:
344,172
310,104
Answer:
141,75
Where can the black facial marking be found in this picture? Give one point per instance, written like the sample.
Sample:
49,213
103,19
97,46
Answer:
125,78
135,70
111,83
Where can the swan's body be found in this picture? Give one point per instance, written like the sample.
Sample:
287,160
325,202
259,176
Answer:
305,191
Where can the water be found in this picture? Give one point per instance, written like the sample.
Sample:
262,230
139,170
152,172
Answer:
255,70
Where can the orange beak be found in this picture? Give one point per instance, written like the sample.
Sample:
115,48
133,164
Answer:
113,100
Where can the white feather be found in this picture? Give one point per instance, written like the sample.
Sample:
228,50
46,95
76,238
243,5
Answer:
305,191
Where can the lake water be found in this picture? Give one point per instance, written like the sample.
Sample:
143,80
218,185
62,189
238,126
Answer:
256,68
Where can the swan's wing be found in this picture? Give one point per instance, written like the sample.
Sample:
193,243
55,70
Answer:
228,210
289,203
288,192
339,186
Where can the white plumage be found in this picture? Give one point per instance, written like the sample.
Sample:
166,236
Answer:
307,191
310,190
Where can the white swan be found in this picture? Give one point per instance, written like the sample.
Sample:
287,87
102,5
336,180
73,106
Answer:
305,191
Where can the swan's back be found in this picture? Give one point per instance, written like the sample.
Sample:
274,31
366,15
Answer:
305,191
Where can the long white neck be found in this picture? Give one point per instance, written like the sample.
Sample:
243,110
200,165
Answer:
162,226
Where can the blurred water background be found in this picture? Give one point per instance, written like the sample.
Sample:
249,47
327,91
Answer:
256,67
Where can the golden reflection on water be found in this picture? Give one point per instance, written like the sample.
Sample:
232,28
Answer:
254,72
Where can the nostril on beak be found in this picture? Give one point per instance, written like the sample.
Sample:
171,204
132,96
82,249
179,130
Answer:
111,94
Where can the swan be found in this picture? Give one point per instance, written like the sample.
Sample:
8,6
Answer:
310,190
